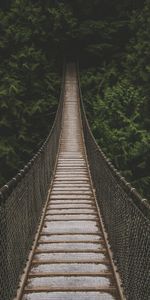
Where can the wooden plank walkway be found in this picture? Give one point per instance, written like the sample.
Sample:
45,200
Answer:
71,259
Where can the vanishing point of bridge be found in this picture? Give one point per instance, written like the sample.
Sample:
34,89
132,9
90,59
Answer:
89,208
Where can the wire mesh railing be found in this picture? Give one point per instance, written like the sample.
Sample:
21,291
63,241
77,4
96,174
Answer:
126,218
126,215
21,203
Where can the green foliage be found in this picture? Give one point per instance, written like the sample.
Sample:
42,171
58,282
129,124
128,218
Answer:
116,119
29,85
112,42
116,90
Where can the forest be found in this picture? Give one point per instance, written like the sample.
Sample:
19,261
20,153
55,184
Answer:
111,41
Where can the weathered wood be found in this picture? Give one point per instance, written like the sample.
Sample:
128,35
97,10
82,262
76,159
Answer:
72,203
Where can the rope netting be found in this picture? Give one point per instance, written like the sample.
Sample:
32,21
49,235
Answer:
126,217
21,204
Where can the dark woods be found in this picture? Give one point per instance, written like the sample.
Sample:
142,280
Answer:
112,42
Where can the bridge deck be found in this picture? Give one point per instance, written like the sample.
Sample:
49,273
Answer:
71,258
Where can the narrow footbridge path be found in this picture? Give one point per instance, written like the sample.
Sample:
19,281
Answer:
71,258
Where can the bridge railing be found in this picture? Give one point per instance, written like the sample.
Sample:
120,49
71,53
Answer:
126,218
21,203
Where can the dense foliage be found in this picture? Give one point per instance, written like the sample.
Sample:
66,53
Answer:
112,41
117,91
29,85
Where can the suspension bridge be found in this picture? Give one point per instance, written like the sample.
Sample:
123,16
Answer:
70,226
